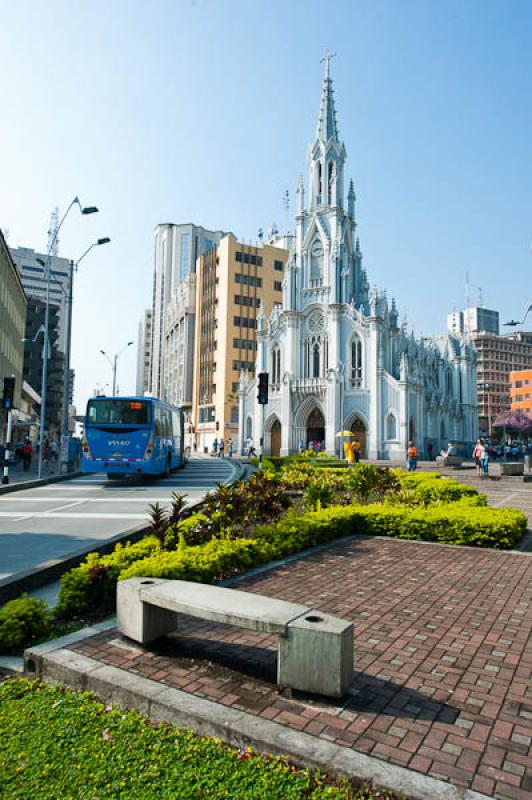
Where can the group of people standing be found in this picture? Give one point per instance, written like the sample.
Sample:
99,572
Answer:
219,446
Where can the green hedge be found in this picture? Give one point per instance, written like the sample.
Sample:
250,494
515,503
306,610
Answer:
432,488
21,621
93,583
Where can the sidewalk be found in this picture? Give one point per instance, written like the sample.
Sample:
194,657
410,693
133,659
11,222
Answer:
18,476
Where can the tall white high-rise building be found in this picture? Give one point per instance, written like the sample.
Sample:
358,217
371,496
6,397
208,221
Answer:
176,249
33,276
143,352
475,319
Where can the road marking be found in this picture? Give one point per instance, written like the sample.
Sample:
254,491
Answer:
45,512
60,515
74,500
505,499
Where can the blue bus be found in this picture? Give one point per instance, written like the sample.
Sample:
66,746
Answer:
133,436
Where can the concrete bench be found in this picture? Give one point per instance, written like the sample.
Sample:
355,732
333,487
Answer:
501,468
449,461
315,652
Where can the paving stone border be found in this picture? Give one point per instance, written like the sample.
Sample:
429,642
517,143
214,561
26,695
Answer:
55,664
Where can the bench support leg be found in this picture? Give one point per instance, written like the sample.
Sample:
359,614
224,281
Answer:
316,655
141,621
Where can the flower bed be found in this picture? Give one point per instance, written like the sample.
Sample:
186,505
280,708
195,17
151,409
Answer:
55,743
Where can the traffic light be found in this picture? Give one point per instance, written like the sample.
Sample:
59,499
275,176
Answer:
217,425
9,393
262,396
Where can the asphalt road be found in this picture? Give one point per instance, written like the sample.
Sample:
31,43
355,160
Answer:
52,521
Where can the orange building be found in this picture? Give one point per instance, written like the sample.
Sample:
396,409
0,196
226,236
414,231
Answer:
521,390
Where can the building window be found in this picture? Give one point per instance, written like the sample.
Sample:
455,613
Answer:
356,360
316,361
278,265
184,258
391,427
245,322
278,286
276,366
234,414
249,280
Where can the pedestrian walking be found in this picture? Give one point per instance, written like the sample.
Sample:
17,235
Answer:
221,449
251,448
214,447
356,450
230,447
26,454
412,456
476,456
484,459
46,454
54,451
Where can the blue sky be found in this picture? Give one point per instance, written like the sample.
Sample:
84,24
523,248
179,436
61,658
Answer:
202,111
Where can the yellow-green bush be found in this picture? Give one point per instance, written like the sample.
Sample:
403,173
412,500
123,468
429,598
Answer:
22,620
93,583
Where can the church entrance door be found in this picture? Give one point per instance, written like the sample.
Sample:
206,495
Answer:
359,435
275,438
316,429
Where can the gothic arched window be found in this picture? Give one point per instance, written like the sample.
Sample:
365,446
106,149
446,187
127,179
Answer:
330,173
249,428
449,382
316,260
276,366
316,361
356,360
391,427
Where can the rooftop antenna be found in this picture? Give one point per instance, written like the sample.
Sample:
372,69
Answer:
53,240
260,234
286,205
468,296
479,297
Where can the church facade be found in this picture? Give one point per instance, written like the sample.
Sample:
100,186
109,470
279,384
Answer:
336,355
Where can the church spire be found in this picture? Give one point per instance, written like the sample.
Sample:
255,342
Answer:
327,127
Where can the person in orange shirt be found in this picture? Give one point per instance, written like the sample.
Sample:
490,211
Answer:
412,456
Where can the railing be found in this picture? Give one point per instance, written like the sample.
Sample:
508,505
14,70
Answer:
308,385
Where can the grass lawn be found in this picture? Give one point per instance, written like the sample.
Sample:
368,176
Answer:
56,744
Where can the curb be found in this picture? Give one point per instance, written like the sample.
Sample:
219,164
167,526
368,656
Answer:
54,664
21,485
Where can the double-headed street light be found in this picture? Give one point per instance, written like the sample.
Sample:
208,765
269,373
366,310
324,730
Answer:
114,361
85,210
73,267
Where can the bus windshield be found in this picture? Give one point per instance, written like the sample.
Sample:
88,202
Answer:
118,412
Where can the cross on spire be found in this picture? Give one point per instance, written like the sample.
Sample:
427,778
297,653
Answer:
327,59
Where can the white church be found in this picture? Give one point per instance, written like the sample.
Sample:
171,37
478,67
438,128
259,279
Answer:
336,355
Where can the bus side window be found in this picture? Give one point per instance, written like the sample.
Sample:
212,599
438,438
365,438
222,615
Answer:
157,422
167,423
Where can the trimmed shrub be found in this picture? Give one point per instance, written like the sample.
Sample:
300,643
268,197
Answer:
22,620
460,523
433,489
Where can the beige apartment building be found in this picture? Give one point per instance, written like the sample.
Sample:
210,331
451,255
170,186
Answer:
497,357
233,279
13,305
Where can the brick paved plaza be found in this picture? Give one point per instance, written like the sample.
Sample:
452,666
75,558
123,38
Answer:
443,658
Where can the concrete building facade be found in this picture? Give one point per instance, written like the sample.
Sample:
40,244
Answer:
13,304
336,355
33,276
179,344
177,248
236,283
144,352
497,358
521,390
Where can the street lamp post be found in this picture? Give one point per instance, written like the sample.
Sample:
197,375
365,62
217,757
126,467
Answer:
114,362
44,377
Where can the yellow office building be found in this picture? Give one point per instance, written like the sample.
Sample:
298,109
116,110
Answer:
232,281
13,305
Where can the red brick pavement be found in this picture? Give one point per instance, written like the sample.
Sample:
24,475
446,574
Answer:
443,659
